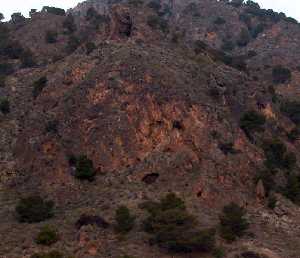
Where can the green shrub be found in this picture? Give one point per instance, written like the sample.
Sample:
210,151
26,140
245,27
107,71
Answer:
84,168
135,3
51,126
90,47
277,155
54,10
47,236
52,254
227,45
51,36
6,68
17,18
233,223
155,5
4,105
158,23
281,74
292,110
125,221
38,86
244,38
257,30
174,228
252,121
219,253
34,209
2,81
292,188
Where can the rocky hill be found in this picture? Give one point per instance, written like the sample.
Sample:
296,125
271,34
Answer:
150,129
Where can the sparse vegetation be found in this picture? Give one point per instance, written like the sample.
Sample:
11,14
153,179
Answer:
174,228
84,168
219,21
233,223
47,236
281,74
292,188
34,209
73,44
27,59
125,221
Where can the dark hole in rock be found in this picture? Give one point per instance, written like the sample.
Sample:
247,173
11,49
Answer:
199,194
177,125
91,220
150,178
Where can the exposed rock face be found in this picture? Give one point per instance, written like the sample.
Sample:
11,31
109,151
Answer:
154,116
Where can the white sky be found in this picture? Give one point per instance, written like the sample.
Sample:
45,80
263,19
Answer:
7,7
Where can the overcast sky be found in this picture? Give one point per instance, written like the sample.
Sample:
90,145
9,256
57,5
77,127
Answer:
7,7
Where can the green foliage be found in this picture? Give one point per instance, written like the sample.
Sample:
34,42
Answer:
90,47
38,86
219,253
259,28
233,223
126,256
2,81
236,3
292,110
135,3
73,44
125,221
69,24
52,254
51,36
174,228
27,59
4,105
17,18
5,68
1,16
51,126
244,38
281,74
84,168
158,23
277,155
54,10
252,121
47,236
292,189
34,209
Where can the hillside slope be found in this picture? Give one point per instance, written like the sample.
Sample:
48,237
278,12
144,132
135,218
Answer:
146,98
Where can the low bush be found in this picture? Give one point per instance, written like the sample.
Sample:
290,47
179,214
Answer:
125,221
84,168
277,155
34,209
233,223
47,236
69,24
244,38
54,10
73,44
281,74
27,59
173,228
219,21
252,121
4,105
